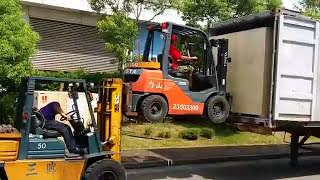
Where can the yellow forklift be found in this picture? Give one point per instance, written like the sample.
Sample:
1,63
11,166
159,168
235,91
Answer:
29,151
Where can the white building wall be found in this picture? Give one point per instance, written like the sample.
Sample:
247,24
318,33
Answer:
82,18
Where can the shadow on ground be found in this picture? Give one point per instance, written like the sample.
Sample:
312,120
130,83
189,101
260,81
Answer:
252,170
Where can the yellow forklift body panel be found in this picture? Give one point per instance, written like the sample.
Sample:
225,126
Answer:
48,169
9,146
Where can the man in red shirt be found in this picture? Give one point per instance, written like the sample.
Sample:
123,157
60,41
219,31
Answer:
177,56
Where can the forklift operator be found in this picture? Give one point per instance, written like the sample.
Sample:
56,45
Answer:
49,112
177,56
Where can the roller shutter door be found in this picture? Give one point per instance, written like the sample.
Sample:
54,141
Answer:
70,47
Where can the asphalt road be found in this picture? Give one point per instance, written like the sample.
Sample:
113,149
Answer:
252,170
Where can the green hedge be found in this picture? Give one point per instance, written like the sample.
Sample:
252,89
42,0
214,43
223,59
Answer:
164,134
90,77
207,133
190,134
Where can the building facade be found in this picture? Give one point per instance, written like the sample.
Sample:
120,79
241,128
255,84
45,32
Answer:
69,39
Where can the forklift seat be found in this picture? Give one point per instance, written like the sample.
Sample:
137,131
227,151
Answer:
175,74
37,126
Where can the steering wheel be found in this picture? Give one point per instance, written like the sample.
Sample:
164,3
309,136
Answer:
71,114
76,123
38,120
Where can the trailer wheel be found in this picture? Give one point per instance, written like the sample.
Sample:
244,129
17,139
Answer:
105,169
154,108
217,109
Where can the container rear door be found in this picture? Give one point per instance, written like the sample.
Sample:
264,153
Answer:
296,68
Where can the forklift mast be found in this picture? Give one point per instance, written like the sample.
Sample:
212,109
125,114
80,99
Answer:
109,115
222,61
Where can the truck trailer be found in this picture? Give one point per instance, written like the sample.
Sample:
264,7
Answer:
273,74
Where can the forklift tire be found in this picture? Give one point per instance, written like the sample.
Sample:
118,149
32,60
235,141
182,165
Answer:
3,175
217,109
105,169
154,108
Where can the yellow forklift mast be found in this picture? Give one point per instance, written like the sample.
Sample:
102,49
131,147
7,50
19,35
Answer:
109,115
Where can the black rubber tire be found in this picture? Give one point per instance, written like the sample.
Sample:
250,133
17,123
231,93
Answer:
148,105
3,175
220,102
112,170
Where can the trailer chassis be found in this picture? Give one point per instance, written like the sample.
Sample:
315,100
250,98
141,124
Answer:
266,126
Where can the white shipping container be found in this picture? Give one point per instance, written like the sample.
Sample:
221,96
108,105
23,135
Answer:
294,83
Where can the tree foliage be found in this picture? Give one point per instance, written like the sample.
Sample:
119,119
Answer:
311,8
247,7
133,7
119,32
210,11
17,45
205,10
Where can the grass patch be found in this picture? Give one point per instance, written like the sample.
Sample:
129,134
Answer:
223,135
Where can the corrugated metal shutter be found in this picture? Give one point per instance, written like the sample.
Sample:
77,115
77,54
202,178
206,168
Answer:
70,47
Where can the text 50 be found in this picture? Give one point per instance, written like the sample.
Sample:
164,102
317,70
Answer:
186,107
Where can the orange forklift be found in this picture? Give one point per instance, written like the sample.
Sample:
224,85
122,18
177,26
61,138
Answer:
152,90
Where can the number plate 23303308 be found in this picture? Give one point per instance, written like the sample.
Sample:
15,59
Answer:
186,107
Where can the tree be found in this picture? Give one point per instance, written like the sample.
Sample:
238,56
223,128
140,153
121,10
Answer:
205,10
119,32
311,8
247,7
17,45
218,10
117,29
133,7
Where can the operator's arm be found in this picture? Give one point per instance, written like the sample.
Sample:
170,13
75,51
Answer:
187,58
174,52
58,110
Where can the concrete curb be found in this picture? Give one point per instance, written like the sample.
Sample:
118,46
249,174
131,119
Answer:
179,162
